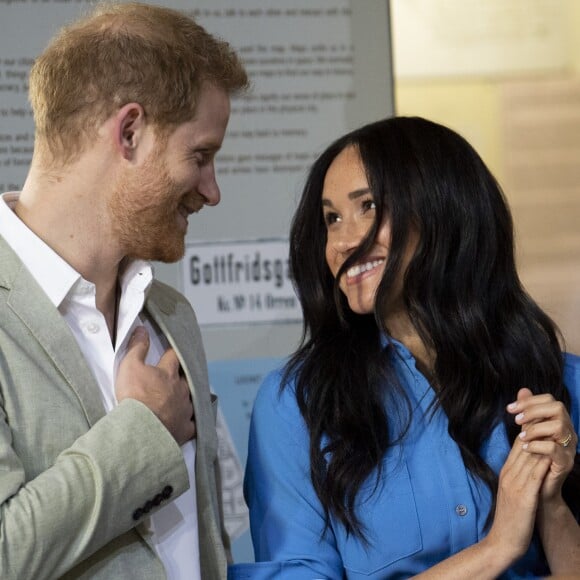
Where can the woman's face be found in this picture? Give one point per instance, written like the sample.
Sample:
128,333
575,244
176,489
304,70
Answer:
349,212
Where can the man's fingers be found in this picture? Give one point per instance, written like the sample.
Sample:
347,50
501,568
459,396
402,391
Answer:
190,431
138,344
169,362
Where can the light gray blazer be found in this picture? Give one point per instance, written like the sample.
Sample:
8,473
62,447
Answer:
73,478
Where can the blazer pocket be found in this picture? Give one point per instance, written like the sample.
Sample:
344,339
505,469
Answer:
388,513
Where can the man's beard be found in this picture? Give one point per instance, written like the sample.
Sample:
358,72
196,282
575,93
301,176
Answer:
144,211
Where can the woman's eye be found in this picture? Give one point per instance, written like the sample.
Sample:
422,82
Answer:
331,218
369,204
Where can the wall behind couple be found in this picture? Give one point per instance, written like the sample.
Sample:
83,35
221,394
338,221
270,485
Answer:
318,68
506,75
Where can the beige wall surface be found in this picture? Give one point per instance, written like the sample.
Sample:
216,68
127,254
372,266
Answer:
525,123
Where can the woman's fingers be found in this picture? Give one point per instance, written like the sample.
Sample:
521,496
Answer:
523,472
533,410
547,432
556,430
519,486
542,417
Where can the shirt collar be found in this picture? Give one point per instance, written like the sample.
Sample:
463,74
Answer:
397,346
54,275
136,277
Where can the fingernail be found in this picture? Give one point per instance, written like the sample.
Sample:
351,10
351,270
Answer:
140,331
512,406
525,446
522,435
519,416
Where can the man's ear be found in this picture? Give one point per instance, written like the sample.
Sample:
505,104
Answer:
130,127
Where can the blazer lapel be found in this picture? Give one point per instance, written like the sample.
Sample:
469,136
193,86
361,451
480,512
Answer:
184,337
46,325
186,342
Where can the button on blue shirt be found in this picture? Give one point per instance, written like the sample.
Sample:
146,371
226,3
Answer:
425,507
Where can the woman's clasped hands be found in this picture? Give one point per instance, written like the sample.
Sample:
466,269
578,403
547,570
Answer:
531,480
548,434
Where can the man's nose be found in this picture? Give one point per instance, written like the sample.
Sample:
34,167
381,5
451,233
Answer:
208,186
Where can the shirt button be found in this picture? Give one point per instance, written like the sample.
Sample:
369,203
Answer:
461,510
93,327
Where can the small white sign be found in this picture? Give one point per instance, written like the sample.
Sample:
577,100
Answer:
240,282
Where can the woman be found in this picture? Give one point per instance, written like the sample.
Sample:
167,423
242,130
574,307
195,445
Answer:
427,423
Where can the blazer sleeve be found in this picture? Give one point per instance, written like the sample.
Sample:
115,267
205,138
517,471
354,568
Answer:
103,485
286,517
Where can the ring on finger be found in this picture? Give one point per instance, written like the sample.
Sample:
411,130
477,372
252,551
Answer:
566,441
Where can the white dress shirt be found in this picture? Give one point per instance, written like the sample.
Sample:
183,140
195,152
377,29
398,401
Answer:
174,526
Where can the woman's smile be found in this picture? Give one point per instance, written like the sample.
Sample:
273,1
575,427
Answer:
360,271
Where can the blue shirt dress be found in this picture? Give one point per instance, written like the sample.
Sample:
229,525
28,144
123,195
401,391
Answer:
426,507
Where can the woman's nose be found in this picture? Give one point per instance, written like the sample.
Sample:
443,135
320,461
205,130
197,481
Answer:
350,236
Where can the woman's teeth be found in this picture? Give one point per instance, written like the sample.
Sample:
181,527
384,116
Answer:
360,268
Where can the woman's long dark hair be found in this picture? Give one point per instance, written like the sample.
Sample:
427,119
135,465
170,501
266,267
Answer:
463,296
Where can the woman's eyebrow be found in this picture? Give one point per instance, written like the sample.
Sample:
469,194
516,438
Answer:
351,195
358,193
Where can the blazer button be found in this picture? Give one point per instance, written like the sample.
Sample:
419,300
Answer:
137,514
167,491
157,499
147,507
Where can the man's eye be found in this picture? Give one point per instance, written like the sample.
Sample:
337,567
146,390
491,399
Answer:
202,157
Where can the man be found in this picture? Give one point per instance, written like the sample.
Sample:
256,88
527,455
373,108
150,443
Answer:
107,427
